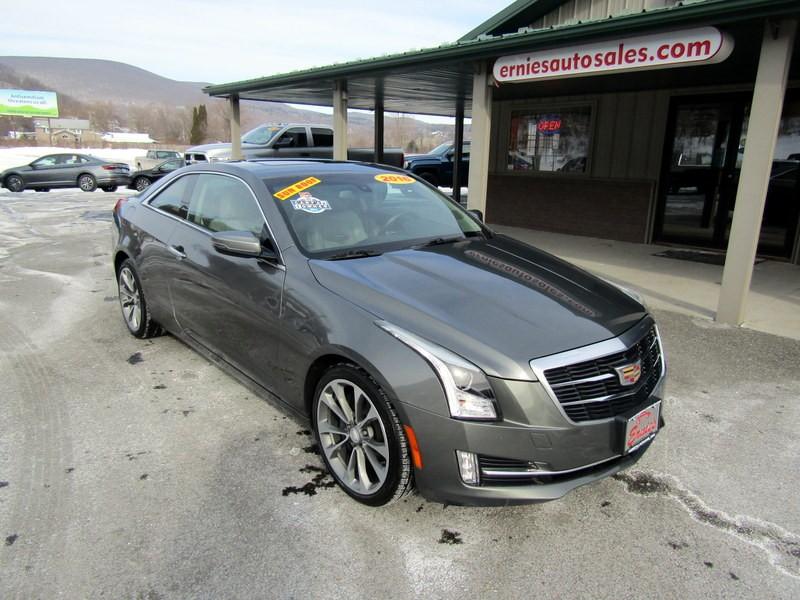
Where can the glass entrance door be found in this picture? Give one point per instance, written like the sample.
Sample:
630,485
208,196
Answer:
706,137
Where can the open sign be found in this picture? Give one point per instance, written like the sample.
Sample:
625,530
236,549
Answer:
549,125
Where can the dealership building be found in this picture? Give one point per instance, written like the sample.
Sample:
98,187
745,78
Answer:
649,121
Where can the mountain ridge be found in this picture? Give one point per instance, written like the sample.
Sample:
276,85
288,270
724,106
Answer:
112,92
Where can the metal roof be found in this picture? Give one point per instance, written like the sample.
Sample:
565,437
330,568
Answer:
432,80
518,14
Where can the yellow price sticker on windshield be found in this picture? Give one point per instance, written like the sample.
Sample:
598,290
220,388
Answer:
394,178
296,188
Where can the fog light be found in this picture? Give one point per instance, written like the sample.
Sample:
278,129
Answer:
468,467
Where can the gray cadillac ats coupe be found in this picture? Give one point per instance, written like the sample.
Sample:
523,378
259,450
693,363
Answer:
426,350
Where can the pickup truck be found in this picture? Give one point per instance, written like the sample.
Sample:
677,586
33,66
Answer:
288,141
436,167
155,157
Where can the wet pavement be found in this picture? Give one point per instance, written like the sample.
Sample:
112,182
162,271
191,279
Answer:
136,469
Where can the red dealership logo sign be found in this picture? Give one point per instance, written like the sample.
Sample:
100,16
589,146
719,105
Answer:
703,45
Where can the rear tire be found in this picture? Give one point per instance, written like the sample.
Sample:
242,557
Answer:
135,311
87,182
360,436
14,183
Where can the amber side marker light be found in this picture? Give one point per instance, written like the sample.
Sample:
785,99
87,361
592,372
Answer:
416,455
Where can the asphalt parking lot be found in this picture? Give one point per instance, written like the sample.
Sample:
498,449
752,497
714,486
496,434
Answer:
136,469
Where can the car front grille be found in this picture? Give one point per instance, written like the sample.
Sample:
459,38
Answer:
591,390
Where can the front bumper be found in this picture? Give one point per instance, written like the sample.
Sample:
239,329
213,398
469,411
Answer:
572,454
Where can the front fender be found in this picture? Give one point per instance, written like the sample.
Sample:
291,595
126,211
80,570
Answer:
319,323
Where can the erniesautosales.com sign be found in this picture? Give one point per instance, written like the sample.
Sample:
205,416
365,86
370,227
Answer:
703,45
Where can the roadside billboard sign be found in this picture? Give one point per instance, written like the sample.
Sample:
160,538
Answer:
27,103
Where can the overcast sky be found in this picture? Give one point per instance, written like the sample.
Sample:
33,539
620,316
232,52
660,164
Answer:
219,41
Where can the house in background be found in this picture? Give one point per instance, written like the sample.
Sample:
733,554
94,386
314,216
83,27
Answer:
62,132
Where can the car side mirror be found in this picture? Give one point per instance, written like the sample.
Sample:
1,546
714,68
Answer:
283,143
237,243
476,213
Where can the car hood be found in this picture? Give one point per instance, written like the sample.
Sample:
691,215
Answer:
498,302
219,149
422,157
19,169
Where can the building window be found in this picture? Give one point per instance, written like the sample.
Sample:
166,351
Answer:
550,140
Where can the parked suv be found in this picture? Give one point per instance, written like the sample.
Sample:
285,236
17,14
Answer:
425,349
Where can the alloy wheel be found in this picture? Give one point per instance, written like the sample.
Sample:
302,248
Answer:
87,183
14,183
142,183
130,299
353,436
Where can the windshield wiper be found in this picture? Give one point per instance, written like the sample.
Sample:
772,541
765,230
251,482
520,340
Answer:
354,254
440,241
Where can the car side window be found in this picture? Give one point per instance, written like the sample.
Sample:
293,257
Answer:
171,199
220,203
322,137
170,165
45,161
298,137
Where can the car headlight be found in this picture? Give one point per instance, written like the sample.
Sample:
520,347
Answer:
468,393
217,158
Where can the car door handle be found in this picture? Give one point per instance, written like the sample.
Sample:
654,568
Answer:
177,252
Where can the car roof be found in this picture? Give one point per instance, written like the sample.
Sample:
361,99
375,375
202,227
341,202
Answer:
281,167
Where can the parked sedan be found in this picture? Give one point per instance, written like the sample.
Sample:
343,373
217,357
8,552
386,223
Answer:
425,349
141,180
66,171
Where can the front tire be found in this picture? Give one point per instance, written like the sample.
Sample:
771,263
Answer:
360,436
87,182
14,183
141,184
134,307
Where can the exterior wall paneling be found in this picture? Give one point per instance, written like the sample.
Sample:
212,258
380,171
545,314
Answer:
590,10
622,170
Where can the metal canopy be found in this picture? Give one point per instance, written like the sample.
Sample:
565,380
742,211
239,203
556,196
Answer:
432,91
434,80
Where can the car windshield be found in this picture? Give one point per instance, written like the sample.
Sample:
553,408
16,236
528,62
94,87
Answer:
260,135
441,148
330,215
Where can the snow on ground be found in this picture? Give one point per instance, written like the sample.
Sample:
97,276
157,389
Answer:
14,157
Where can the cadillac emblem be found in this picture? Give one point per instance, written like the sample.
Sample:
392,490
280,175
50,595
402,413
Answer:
629,374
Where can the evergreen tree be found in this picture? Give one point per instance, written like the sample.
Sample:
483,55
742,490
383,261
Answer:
199,124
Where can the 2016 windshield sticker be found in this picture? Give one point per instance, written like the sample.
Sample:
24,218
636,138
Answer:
296,188
394,178
307,203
